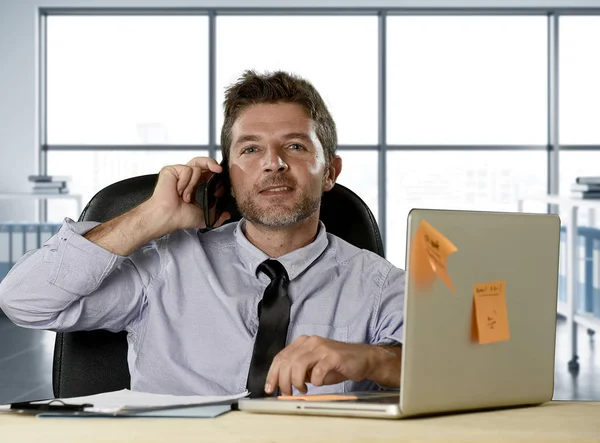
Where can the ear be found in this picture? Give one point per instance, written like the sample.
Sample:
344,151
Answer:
335,167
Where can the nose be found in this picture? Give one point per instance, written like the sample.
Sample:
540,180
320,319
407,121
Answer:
273,161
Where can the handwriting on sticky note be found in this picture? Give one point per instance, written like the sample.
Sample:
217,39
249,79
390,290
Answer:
428,257
318,397
490,316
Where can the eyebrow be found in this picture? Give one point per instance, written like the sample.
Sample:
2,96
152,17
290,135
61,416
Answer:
256,138
298,135
247,138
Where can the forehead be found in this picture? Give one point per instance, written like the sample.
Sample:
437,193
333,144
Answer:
273,118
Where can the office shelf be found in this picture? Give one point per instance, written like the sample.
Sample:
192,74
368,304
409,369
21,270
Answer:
568,308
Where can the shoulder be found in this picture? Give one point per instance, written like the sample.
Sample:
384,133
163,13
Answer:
346,252
364,261
221,237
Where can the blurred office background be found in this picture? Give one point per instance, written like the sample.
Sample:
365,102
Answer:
441,104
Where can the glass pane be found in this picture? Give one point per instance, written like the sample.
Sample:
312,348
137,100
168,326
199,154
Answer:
574,164
359,174
338,55
466,80
480,180
579,86
91,171
127,80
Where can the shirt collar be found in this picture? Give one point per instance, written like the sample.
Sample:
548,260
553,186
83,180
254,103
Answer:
294,262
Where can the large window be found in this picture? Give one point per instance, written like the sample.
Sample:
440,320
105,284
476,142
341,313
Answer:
579,80
463,80
127,80
579,73
466,99
466,80
123,80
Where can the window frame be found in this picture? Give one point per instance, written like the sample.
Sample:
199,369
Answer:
552,146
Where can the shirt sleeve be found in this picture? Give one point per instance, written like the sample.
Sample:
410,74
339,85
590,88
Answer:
389,318
73,284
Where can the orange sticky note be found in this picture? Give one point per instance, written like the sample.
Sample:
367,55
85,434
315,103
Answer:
429,255
490,317
318,397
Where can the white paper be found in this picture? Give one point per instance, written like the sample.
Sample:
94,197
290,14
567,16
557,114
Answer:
126,401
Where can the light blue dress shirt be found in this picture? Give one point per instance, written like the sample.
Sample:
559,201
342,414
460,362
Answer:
188,301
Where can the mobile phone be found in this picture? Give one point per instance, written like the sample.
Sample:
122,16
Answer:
214,196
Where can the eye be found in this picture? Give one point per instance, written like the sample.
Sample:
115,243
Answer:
249,150
296,147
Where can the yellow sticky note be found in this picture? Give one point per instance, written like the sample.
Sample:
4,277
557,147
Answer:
429,255
318,397
490,317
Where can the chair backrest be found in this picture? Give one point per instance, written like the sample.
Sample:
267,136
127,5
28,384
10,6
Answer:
89,362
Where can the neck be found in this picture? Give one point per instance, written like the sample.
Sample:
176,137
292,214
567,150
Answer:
278,241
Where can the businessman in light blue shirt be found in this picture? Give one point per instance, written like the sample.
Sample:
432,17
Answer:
188,298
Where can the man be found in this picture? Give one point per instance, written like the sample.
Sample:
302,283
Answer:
191,300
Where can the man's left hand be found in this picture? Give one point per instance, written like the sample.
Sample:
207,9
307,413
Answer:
322,361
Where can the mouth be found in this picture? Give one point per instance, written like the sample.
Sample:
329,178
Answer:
276,190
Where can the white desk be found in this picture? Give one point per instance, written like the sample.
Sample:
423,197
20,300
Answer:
554,421
572,272
43,196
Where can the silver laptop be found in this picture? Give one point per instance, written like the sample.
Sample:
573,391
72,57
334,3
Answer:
443,368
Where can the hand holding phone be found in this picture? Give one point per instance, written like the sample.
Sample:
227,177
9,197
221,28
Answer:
214,197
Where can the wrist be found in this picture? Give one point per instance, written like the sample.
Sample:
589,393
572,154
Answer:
384,365
155,220
129,231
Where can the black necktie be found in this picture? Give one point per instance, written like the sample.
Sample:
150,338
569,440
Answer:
273,321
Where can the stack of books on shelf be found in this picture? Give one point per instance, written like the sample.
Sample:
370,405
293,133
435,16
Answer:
50,184
586,188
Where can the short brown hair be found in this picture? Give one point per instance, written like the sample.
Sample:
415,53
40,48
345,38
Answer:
277,87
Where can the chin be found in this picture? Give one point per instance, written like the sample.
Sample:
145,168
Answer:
278,220
279,215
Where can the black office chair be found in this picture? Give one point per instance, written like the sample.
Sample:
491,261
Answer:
90,362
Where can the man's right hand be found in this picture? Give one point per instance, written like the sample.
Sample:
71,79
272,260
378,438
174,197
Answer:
174,194
172,206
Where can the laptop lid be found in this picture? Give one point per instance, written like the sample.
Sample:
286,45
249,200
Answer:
444,368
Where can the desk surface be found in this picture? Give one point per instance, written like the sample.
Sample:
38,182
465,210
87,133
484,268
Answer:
549,422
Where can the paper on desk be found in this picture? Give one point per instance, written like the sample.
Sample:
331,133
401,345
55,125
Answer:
202,411
133,401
